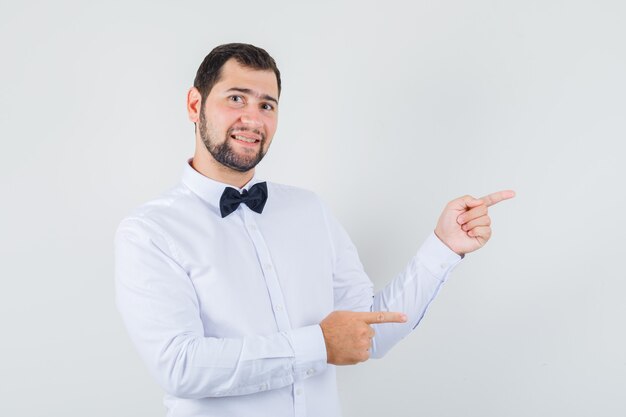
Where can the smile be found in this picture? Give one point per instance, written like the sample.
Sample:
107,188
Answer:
246,139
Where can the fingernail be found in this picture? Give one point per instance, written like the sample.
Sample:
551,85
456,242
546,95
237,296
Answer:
403,317
460,219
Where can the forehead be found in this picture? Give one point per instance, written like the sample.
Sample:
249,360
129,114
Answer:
234,74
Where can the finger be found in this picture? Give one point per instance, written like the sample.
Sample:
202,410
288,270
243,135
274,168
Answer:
481,221
364,344
372,333
465,202
483,232
472,214
376,317
495,198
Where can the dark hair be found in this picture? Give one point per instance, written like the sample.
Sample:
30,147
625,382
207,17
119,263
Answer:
247,55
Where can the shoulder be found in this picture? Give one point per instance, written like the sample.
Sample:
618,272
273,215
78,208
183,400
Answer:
155,216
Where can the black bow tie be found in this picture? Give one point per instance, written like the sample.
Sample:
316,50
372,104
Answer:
255,198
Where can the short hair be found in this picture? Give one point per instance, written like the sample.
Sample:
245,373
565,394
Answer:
247,55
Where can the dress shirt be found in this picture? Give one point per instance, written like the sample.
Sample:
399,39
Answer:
225,312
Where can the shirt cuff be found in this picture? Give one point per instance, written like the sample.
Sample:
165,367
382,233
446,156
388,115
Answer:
310,350
438,258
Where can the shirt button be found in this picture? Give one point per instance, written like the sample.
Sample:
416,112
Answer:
299,391
252,227
443,266
268,267
279,307
310,372
263,387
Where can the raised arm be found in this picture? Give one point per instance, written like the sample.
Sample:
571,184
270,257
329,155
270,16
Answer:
463,227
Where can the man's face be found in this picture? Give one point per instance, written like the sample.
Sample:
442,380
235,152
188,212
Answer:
239,116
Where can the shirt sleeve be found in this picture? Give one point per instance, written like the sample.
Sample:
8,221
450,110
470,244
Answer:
410,292
160,310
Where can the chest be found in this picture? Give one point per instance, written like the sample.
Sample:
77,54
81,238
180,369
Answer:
258,275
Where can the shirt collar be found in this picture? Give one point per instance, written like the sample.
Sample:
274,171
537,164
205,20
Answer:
206,188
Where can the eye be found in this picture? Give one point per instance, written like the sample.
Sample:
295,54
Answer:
236,99
267,106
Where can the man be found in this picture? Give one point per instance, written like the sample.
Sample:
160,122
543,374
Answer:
242,295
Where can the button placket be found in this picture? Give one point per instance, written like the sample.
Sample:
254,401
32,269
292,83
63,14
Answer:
268,270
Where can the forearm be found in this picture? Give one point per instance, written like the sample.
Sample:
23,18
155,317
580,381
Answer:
190,366
411,292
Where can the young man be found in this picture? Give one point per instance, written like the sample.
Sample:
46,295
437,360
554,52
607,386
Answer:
242,295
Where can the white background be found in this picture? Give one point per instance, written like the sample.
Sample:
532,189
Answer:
389,109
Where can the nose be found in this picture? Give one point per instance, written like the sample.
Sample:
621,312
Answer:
251,118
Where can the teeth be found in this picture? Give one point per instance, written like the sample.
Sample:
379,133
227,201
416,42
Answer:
245,139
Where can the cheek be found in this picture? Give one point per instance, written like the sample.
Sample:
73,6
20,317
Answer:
270,126
230,118
224,118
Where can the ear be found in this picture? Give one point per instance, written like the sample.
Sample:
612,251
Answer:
193,104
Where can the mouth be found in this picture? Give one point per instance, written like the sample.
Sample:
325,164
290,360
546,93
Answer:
247,139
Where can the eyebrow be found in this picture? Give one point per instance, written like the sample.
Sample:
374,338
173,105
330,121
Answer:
253,93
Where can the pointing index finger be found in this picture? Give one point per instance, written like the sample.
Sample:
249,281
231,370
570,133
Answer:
376,317
496,197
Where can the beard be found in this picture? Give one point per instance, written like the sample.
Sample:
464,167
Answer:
224,153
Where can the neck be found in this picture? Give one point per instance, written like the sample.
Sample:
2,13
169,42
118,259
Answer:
205,164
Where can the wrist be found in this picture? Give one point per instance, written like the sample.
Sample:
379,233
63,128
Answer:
439,236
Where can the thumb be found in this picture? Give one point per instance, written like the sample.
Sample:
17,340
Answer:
465,202
473,202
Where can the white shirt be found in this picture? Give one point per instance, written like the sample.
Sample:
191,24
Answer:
225,312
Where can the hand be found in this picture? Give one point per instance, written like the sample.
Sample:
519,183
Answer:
348,335
464,225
